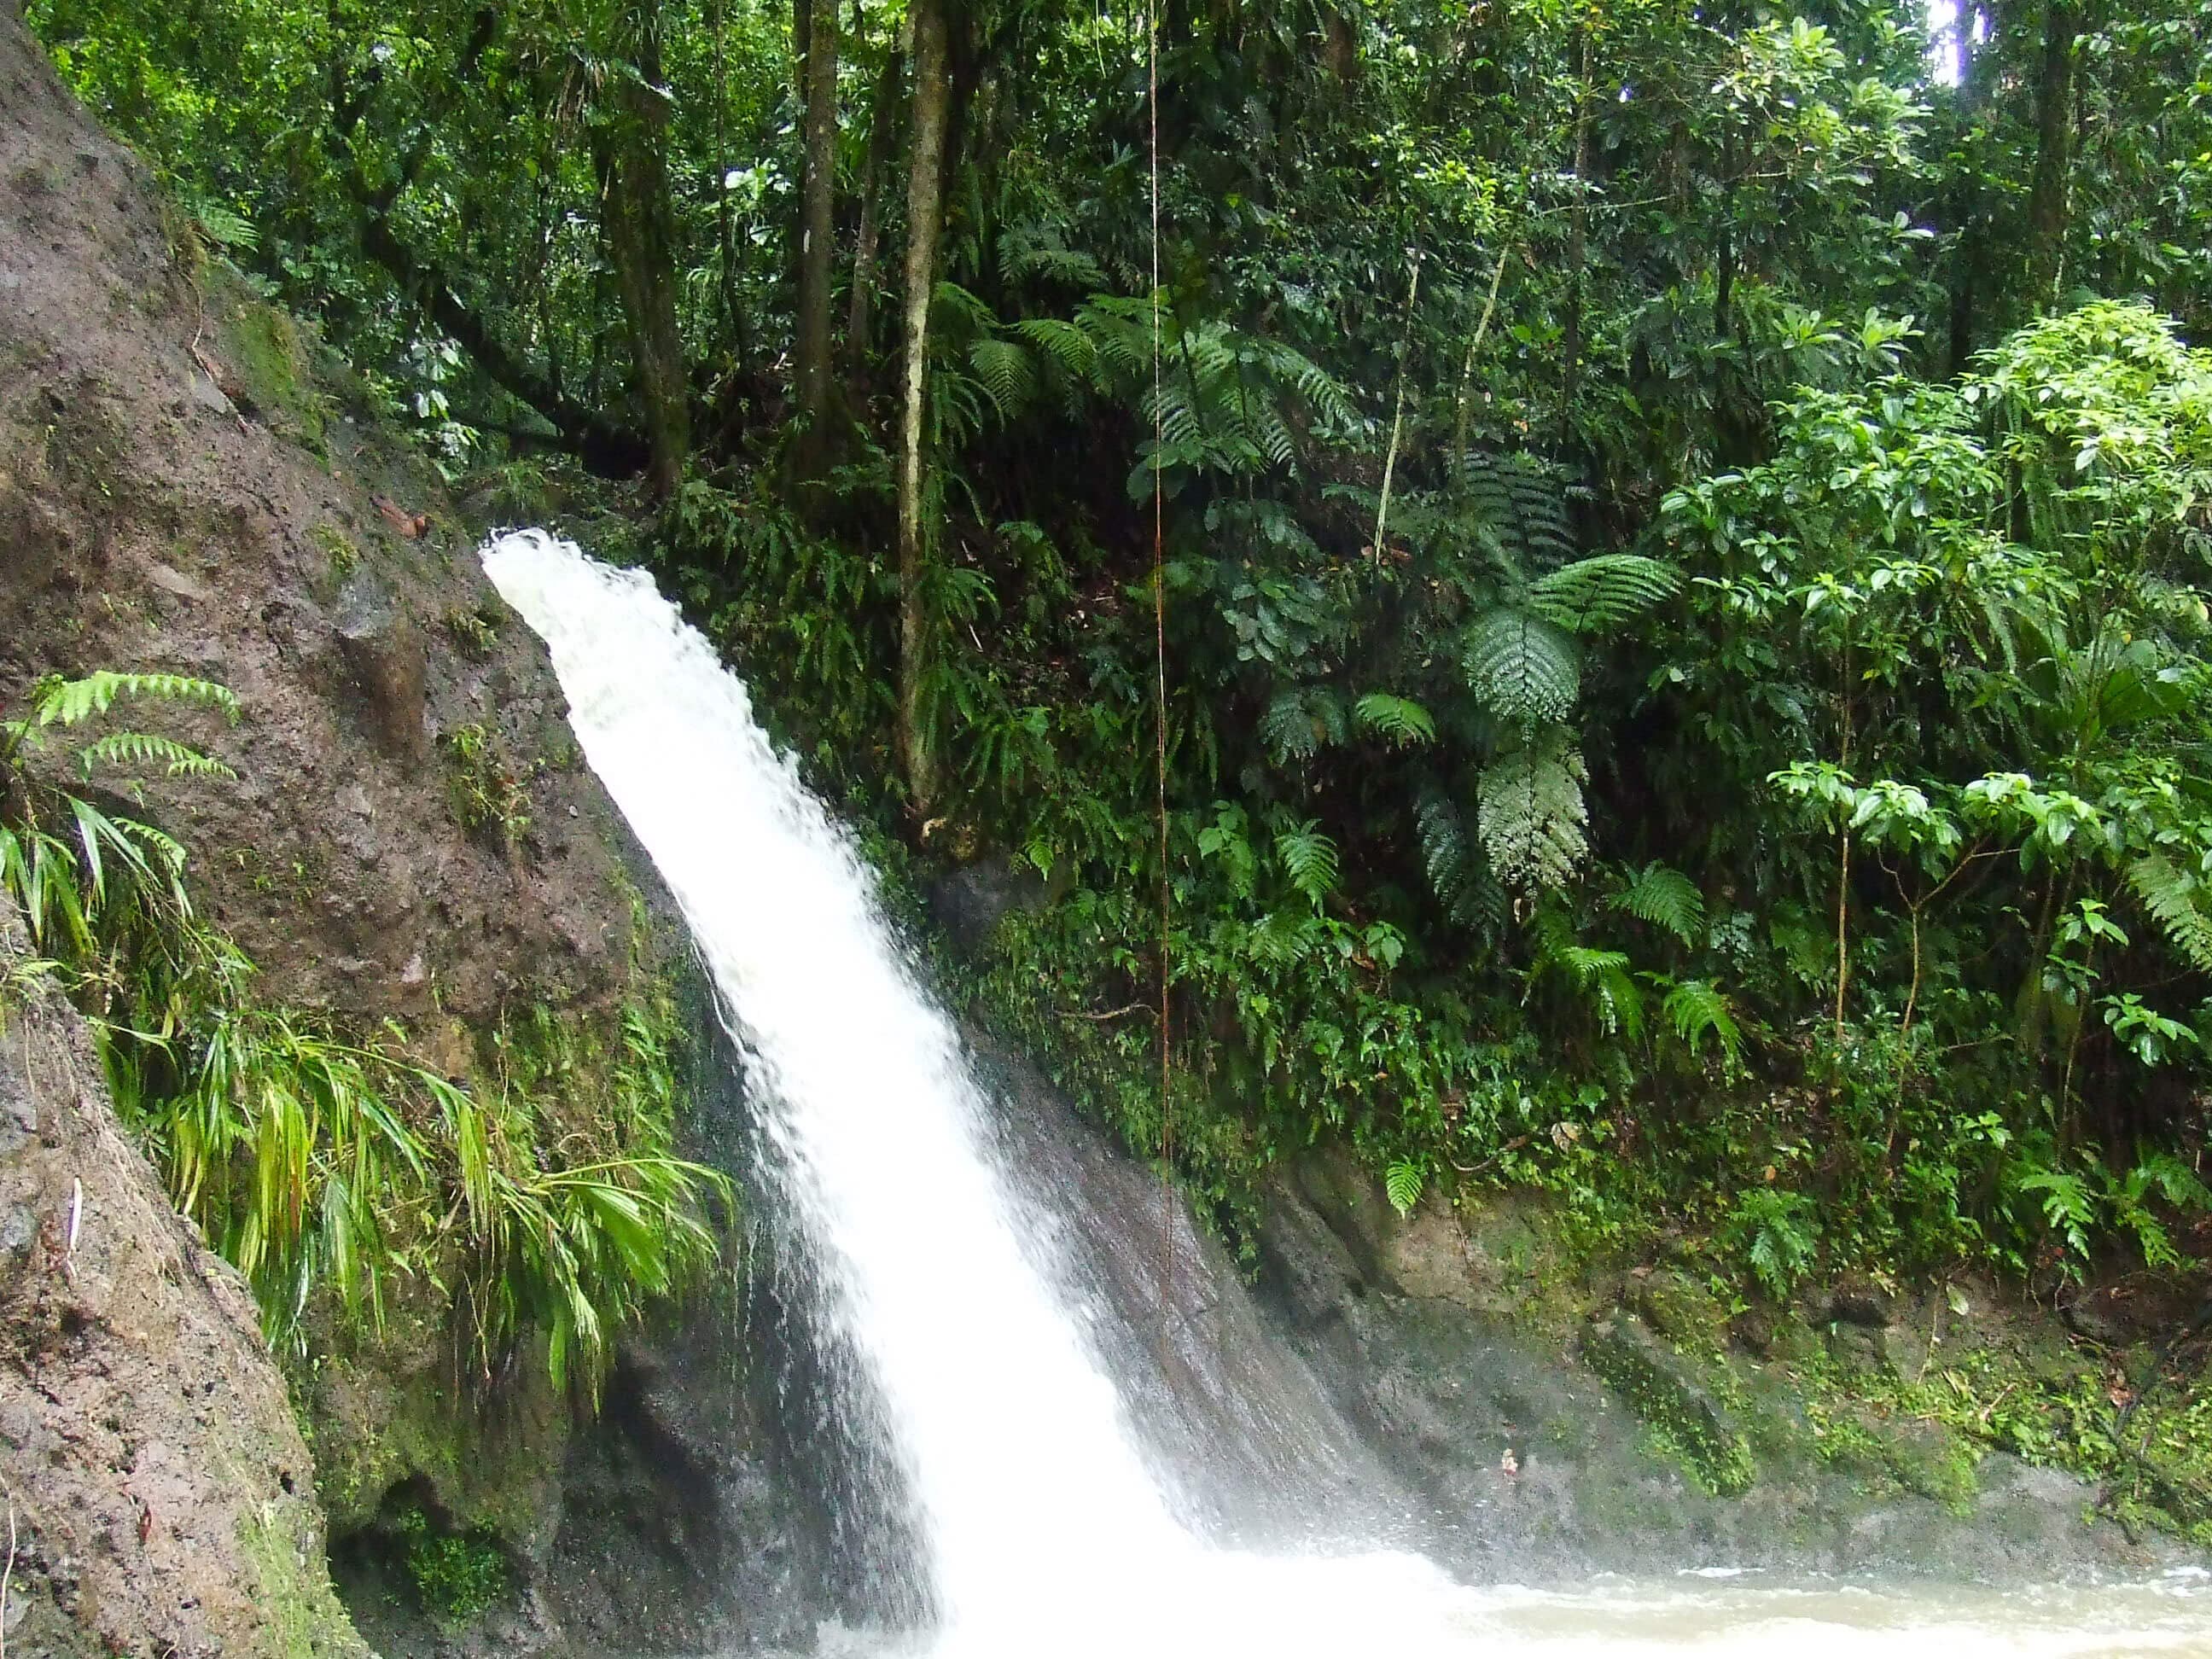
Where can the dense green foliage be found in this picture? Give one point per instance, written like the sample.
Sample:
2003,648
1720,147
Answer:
457,1577
1684,544
545,1205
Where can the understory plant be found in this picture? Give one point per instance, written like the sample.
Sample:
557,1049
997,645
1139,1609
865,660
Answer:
330,1168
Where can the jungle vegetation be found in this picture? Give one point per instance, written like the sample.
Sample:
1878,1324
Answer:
531,1214
1684,532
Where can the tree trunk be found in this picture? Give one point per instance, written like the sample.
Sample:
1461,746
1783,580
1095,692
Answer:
2054,110
641,241
933,97
817,204
883,133
1977,72
1571,350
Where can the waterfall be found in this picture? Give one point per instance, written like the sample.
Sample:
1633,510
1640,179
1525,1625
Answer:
1040,1529
1006,1430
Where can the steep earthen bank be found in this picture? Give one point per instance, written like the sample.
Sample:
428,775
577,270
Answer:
159,1497
188,484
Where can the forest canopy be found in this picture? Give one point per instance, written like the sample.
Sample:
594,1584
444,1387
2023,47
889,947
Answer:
1683,531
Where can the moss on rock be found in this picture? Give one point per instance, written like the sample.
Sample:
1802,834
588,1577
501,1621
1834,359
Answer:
302,1619
1683,1418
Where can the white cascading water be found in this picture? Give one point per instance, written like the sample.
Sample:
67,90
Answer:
1042,1530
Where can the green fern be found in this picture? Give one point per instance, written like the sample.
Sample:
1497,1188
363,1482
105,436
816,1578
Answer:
2177,901
1697,1009
1664,897
2173,1179
1515,506
1075,352
1006,374
1400,719
1443,834
2070,1208
1284,938
1308,859
1300,722
1607,986
71,702
1530,814
146,749
1402,1183
1603,592
1521,667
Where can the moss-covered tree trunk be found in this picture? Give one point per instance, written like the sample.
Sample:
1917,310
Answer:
933,99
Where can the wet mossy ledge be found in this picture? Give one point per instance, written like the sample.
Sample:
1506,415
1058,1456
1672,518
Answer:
1981,1428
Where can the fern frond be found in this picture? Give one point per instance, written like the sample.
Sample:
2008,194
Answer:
1521,667
1515,506
1443,842
2177,901
1530,814
1664,897
1024,252
1289,729
1323,393
70,702
959,307
1066,344
1401,1184
1309,859
1400,719
1697,1009
1283,938
1008,375
1603,592
148,748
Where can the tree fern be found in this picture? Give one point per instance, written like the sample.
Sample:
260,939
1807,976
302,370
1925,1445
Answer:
1521,667
1603,592
1516,504
1530,814
2177,901
1067,345
1005,372
1308,859
1664,897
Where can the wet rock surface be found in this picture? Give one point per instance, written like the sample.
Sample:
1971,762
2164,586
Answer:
1670,1446
1445,1382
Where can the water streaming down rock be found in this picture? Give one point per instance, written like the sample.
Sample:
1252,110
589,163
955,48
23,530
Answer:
1037,1522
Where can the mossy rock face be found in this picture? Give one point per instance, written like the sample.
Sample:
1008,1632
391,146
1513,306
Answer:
395,1417
1930,1459
267,368
1673,1403
1683,1311
293,1591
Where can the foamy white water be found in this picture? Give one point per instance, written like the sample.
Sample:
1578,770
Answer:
1043,1531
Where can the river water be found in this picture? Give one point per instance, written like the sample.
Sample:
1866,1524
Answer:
999,1435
